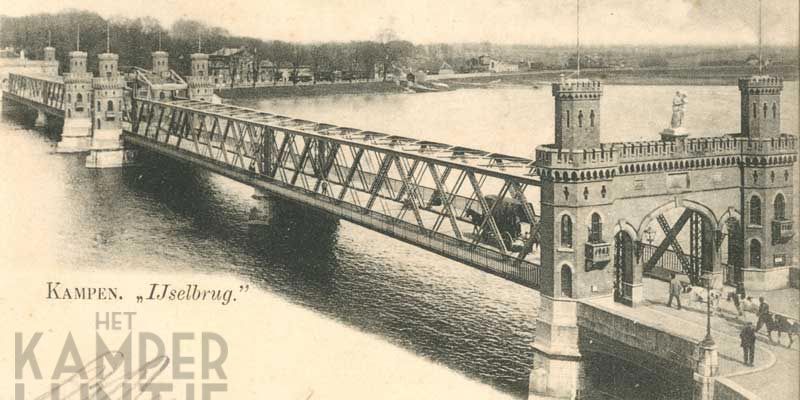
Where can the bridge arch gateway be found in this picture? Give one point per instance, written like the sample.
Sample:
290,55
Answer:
679,204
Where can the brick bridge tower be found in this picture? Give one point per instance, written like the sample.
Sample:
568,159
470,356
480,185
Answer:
201,86
108,89
76,135
600,202
50,63
574,248
767,191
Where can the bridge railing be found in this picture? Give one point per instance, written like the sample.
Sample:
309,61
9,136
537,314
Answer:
44,91
670,262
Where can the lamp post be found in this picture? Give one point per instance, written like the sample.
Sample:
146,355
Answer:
708,341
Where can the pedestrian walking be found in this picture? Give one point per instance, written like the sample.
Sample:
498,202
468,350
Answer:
763,313
737,302
675,289
748,343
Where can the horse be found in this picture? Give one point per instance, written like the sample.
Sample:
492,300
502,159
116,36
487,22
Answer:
476,218
702,295
781,324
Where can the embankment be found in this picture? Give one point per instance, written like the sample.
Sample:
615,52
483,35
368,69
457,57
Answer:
306,90
639,76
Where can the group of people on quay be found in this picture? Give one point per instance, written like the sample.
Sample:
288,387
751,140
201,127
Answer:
743,304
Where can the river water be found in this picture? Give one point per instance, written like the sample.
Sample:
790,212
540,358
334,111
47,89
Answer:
169,217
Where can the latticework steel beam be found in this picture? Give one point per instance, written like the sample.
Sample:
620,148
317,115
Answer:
396,183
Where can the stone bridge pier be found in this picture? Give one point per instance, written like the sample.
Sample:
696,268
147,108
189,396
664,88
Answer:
707,209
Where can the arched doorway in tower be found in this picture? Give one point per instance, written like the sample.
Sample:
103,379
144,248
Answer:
732,251
680,239
624,264
566,281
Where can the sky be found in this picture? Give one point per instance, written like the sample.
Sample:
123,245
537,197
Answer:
542,22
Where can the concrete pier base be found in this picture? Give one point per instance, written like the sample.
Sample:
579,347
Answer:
76,136
634,294
107,150
557,365
41,119
265,211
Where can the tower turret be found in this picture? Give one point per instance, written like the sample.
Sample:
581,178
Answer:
577,113
107,65
50,64
77,61
161,62
199,64
201,86
108,88
77,86
49,53
761,106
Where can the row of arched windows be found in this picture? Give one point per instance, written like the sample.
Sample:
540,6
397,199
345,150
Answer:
109,105
78,98
766,109
580,118
595,230
779,209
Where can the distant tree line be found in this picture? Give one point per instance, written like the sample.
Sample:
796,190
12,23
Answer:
134,39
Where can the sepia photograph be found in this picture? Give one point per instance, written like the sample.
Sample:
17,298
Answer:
371,199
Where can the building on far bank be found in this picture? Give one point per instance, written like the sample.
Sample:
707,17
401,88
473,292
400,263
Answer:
231,66
266,71
502,66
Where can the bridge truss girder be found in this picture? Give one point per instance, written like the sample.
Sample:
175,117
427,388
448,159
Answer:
39,91
343,164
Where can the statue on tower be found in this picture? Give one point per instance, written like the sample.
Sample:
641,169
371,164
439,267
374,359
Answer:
676,129
678,110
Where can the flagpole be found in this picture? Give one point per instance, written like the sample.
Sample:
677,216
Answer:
578,34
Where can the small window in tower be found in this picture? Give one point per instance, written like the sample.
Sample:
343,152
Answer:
780,207
774,111
98,105
566,231
755,210
567,118
596,229
591,118
755,110
566,281
765,110
755,253
580,119
110,106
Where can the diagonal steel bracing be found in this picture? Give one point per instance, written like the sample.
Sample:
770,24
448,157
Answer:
671,235
488,213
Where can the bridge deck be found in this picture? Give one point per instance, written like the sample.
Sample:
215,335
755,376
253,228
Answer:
774,375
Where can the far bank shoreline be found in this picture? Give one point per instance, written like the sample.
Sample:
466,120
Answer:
699,76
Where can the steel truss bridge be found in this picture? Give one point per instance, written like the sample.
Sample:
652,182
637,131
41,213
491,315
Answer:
42,93
421,192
